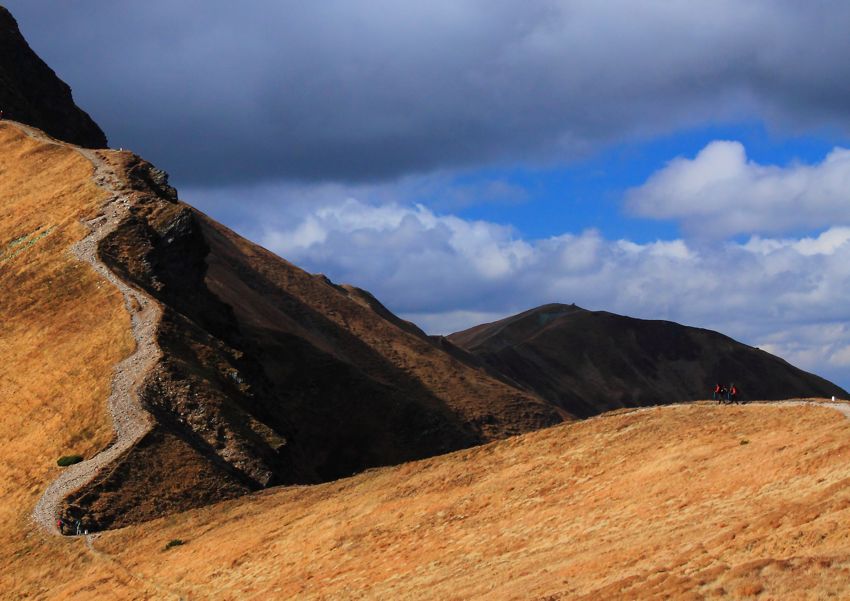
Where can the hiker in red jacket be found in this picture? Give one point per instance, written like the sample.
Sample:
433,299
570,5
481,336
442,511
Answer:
733,393
717,396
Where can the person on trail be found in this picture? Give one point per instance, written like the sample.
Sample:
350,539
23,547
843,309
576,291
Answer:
79,527
716,395
733,393
59,525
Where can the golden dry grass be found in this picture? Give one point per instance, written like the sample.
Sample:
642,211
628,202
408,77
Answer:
61,331
697,502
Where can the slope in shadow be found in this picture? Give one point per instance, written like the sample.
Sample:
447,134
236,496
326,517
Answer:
588,362
270,375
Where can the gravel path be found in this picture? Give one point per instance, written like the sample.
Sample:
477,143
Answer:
129,419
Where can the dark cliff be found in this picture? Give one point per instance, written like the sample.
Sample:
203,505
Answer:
271,375
30,92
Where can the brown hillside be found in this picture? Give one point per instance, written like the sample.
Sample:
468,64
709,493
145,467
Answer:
588,362
279,376
30,92
61,331
683,502
267,375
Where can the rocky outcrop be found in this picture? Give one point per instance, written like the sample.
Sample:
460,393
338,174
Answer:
264,374
270,375
30,92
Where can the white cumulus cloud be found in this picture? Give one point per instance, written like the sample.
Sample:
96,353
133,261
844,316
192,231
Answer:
720,193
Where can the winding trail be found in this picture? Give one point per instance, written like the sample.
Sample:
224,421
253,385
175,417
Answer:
129,418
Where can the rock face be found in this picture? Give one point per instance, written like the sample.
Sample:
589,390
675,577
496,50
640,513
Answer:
265,374
270,375
30,92
587,362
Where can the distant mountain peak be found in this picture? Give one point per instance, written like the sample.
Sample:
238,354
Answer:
588,362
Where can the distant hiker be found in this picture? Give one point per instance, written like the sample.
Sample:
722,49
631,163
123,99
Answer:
717,396
733,393
79,527
59,525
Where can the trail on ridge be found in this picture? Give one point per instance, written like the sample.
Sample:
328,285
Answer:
129,418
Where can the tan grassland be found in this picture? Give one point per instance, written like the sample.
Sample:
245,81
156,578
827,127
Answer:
684,502
688,502
61,331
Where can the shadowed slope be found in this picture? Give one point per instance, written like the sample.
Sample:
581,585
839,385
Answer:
592,361
30,92
267,375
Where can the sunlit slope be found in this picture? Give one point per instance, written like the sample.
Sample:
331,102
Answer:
692,502
61,330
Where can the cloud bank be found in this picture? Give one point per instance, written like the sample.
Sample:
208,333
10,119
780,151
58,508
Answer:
721,193
344,90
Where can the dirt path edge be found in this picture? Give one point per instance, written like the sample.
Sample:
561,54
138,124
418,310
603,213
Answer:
129,418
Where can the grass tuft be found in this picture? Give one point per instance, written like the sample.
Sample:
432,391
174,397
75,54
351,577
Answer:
67,460
174,542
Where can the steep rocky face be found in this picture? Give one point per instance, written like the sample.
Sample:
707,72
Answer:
588,362
30,92
270,375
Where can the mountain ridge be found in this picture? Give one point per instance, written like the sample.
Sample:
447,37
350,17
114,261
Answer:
591,361
267,375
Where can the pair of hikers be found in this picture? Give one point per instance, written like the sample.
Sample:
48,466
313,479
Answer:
724,394
77,529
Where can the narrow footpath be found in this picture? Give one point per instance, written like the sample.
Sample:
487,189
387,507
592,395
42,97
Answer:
129,418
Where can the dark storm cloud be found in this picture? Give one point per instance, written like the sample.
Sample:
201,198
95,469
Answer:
354,91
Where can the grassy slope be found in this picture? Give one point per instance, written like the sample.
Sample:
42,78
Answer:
699,501
695,502
61,331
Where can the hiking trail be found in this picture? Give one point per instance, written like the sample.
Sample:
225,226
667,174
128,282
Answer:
129,418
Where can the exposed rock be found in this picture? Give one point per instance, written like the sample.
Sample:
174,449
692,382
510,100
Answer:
270,375
30,92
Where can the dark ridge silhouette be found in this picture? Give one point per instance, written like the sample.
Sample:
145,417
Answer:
587,362
30,92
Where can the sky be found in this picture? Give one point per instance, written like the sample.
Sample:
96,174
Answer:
465,160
